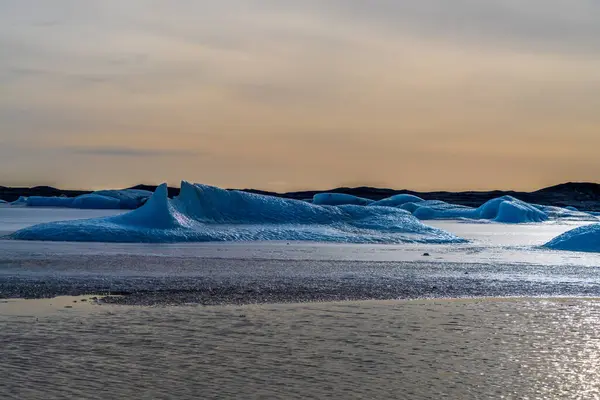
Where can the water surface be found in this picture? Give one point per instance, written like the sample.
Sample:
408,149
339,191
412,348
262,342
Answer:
461,349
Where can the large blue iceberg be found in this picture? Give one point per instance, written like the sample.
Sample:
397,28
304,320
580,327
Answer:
584,238
205,213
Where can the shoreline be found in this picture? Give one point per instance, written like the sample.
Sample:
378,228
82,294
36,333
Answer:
202,299
14,307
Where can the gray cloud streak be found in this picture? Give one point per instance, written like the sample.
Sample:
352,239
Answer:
129,152
243,80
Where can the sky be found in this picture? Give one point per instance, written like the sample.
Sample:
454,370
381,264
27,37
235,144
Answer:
287,95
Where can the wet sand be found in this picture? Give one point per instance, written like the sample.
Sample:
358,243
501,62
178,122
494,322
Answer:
422,349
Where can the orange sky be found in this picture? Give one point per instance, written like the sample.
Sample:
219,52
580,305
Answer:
286,95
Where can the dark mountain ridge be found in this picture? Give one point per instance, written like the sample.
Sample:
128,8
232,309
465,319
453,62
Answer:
582,195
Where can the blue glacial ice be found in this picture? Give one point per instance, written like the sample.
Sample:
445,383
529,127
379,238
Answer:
506,209
127,199
398,200
95,201
339,199
43,201
22,200
584,238
205,213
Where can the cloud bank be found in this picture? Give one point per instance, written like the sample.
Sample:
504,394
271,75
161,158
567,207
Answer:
423,94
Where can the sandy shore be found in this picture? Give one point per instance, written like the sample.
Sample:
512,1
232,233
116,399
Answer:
478,348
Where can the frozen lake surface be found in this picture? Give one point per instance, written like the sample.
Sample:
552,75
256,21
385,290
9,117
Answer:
499,260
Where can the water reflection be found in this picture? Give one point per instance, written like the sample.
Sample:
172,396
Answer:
424,349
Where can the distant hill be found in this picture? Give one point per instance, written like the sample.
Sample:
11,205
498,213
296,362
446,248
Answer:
172,191
582,195
13,193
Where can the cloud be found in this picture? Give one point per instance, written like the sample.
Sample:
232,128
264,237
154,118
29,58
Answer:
129,152
538,25
305,93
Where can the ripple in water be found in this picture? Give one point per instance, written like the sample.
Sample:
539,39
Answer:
418,350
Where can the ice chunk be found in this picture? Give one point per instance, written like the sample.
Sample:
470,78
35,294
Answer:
504,209
566,213
95,201
435,209
516,211
442,212
206,213
584,238
397,200
22,200
338,199
103,199
43,201
128,198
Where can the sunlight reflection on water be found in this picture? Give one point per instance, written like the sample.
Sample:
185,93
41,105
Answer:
483,348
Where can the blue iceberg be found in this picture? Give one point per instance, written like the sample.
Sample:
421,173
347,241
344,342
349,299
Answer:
21,201
339,199
95,201
436,209
398,200
506,209
584,238
567,213
127,199
44,201
204,213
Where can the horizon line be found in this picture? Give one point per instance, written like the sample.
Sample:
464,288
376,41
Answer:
305,190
